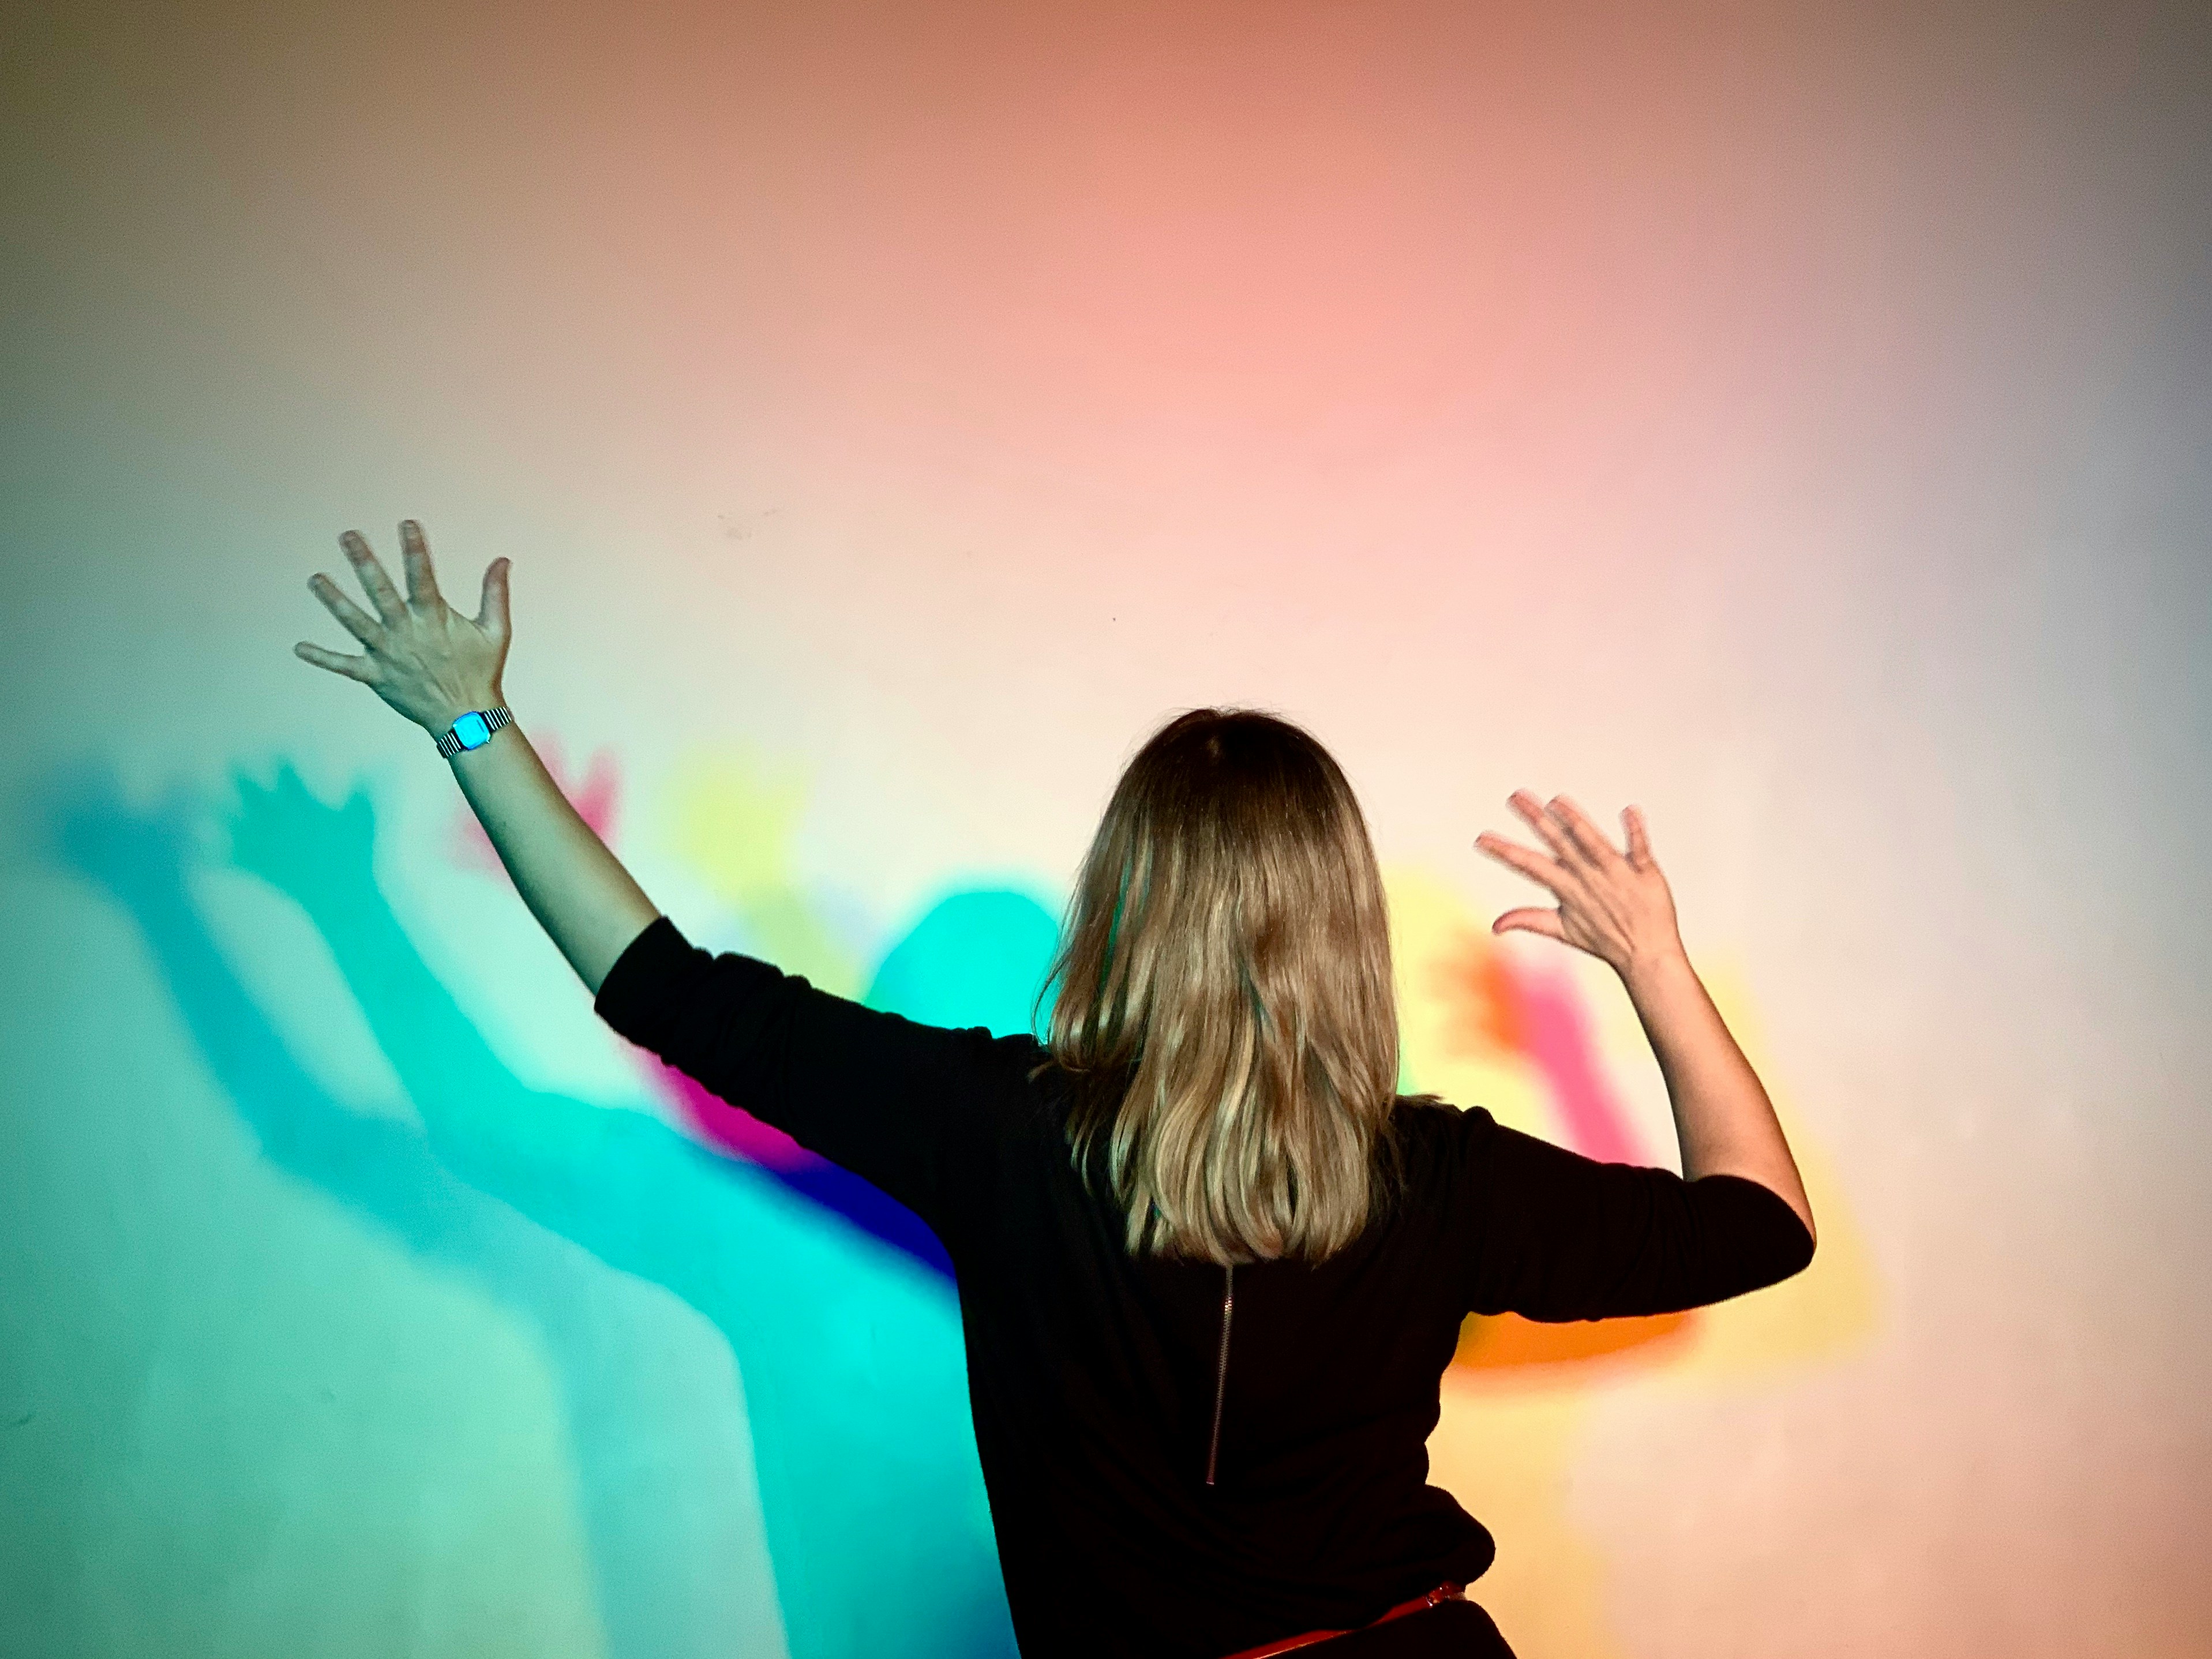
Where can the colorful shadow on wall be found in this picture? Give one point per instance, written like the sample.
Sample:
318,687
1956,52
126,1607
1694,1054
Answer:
836,1302
1513,1030
849,1352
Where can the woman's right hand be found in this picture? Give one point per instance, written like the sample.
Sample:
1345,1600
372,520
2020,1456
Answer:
1615,905
423,658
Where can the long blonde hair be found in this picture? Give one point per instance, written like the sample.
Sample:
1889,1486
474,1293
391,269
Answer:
1224,998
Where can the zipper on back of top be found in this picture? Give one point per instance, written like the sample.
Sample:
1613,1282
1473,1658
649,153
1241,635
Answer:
1221,1370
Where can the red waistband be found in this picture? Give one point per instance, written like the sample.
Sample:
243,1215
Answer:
1419,1603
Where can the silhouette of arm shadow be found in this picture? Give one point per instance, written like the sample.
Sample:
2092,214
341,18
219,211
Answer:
606,1178
382,1169
597,1176
1500,1007
847,1379
635,1484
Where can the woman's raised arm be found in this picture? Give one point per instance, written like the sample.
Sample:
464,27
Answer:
1616,905
433,665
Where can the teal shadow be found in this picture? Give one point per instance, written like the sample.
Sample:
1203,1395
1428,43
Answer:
855,1377
977,958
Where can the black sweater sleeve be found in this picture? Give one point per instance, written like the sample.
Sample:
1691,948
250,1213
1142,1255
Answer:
903,1105
1558,1237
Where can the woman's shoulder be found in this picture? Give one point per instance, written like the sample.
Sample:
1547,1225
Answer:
1049,1092
1437,1149
1431,1119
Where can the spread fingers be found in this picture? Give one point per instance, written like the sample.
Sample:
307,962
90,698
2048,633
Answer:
1588,840
1530,862
414,554
1553,832
355,620
354,668
378,585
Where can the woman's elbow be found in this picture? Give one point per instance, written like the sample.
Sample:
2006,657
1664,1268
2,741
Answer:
1780,1242
1794,1252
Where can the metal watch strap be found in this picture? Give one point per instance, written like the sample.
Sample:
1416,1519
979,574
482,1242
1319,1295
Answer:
450,744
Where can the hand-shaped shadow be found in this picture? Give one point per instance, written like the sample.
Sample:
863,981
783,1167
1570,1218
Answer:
851,1359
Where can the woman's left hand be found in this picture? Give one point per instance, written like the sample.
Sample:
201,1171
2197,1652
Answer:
1612,904
426,660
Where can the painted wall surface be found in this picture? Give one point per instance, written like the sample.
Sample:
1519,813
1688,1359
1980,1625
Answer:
1794,420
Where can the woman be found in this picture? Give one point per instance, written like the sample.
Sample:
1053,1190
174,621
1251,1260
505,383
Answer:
1211,1266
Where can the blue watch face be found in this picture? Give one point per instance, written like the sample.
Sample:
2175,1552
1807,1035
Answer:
471,730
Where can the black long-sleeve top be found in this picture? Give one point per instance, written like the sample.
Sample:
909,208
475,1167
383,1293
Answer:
1093,1376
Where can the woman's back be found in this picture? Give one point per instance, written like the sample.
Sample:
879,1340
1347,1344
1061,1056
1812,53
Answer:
1095,1371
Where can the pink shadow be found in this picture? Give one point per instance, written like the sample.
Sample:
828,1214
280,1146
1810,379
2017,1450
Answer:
1555,1034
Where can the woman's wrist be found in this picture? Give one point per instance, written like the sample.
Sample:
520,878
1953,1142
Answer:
1655,969
452,709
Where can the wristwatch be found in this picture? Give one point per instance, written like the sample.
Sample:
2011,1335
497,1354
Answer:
473,730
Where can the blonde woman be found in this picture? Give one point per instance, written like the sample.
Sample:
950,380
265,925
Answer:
1212,1266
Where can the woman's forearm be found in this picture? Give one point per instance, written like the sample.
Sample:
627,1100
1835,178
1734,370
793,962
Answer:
574,885
1723,1118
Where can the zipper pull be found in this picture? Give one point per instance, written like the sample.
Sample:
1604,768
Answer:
1221,1372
